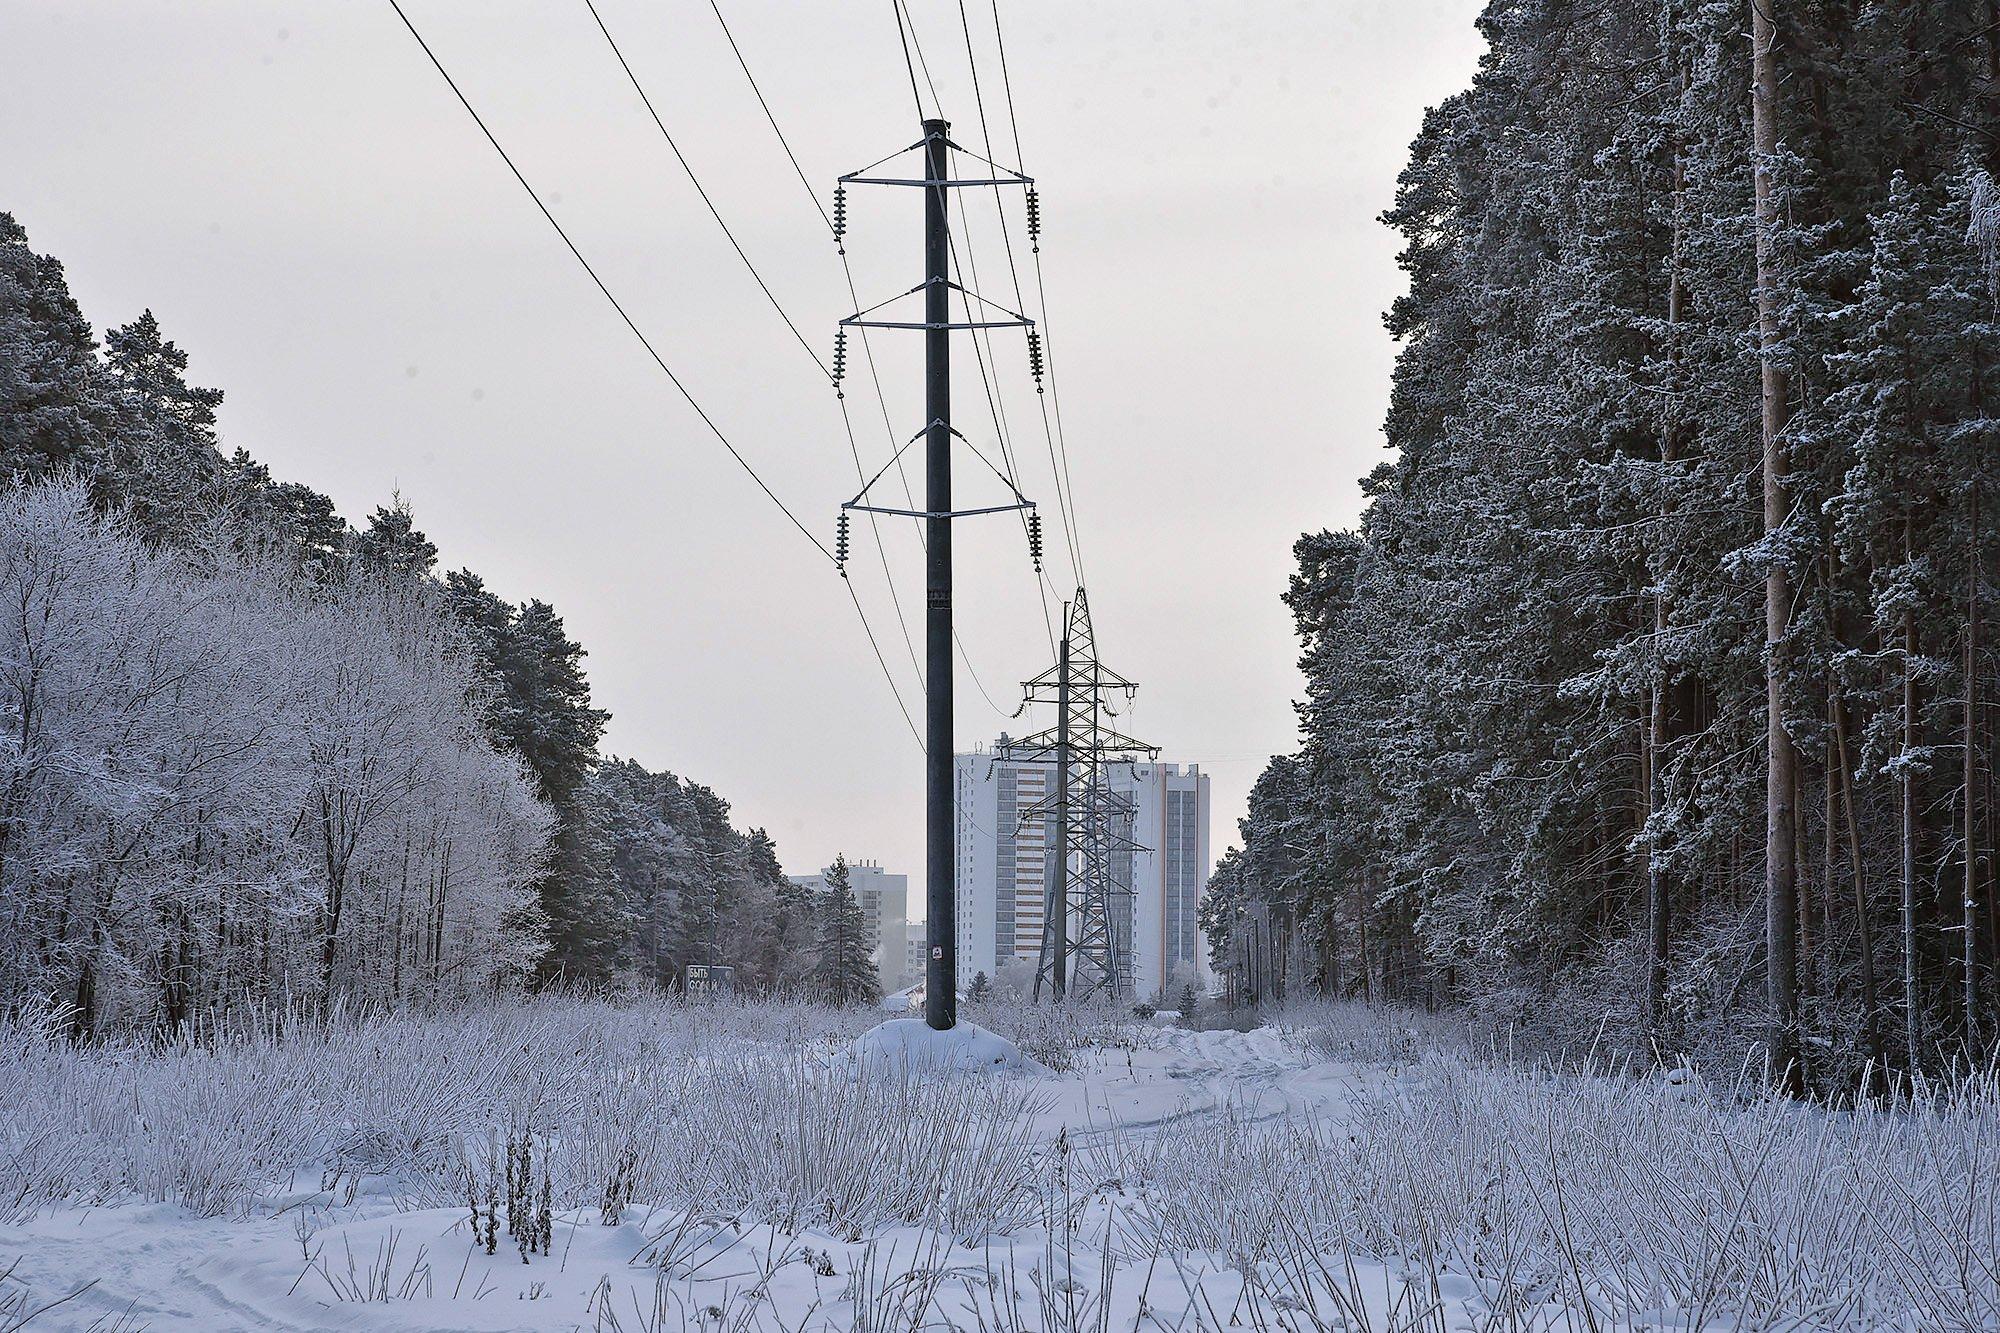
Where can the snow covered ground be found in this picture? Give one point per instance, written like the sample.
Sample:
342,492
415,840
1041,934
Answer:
732,1169
367,1255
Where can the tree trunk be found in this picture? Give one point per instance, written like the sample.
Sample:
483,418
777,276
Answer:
1864,930
1780,815
1969,788
1330,937
1828,843
1659,736
1657,920
1912,1020
1367,963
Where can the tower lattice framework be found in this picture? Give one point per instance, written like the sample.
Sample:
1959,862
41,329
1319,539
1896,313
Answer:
1087,893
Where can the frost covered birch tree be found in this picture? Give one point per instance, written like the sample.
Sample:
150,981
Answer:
203,759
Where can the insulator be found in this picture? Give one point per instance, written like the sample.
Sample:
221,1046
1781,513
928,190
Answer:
840,546
1035,538
839,212
1035,217
1035,357
840,356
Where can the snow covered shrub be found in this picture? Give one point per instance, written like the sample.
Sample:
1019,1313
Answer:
784,1140
1381,1034
209,1129
1056,1034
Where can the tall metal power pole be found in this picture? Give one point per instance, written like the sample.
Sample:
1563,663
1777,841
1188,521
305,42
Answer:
940,749
940,824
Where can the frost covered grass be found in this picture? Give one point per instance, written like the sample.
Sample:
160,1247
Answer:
742,1174
1663,1201
734,1104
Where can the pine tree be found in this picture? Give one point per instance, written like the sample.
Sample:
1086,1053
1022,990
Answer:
540,709
53,412
392,544
1657,656
843,973
164,464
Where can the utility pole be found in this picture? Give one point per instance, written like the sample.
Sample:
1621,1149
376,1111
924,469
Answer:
940,850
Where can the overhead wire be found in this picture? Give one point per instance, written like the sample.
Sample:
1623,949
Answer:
701,190
653,351
868,352
783,142
1060,444
923,63
616,305
631,75
915,96
883,662
1043,587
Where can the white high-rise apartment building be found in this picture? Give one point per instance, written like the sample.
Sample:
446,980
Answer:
885,908
1002,862
1003,867
1169,871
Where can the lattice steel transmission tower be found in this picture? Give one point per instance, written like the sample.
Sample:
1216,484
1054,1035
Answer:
1087,893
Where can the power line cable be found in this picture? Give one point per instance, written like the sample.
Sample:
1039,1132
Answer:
784,143
658,360
881,550
916,41
923,64
903,33
902,620
912,39
1061,442
1064,502
633,78
616,305
699,189
972,263
883,662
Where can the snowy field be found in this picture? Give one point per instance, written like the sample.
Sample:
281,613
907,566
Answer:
564,1164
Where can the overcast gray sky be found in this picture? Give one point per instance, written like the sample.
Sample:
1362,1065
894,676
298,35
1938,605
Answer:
292,189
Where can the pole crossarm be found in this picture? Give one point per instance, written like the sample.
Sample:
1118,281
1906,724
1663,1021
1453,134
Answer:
937,513
1006,175
947,324
860,503
1109,748
1014,318
949,185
